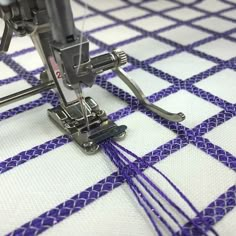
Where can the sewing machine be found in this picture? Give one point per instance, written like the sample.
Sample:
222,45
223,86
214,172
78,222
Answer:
68,67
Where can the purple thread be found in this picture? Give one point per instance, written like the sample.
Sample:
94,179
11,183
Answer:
206,122
180,193
114,156
167,199
134,188
108,145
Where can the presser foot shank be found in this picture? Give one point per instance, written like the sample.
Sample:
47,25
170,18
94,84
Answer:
87,136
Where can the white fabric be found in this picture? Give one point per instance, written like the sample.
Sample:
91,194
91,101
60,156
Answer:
40,184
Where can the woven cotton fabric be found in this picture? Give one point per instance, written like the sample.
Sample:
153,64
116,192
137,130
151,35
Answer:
182,53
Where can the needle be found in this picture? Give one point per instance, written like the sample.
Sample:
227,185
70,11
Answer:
82,105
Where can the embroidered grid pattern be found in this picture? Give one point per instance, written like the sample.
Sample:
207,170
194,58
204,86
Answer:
195,136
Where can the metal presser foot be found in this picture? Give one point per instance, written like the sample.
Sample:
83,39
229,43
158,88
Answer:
87,135
64,51
90,128
83,120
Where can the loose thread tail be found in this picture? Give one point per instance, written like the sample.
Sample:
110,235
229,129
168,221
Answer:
149,209
180,193
136,191
129,171
159,191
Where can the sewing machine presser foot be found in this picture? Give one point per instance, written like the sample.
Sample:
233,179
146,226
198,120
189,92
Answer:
89,136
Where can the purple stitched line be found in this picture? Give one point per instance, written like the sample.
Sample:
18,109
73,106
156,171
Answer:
189,22
212,122
215,151
159,190
193,208
79,201
210,99
47,97
10,80
36,151
142,200
116,156
214,212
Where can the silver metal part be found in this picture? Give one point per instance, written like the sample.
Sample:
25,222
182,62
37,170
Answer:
144,101
71,120
26,93
61,46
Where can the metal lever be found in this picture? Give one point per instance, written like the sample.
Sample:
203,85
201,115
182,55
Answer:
26,93
141,97
6,38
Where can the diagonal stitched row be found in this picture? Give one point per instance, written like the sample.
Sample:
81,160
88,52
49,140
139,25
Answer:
211,98
100,43
213,122
33,153
10,80
189,22
18,77
20,71
215,151
204,144
226,1
207,15
47,97
187,85
213,213
155,36
79,201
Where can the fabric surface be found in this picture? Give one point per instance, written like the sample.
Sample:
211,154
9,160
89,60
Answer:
182,54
